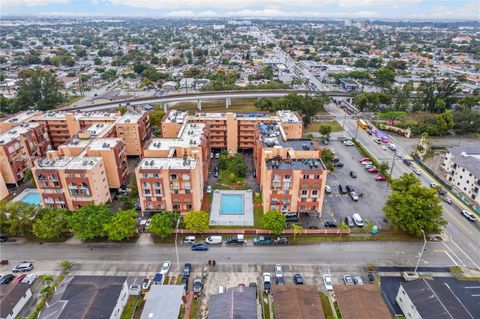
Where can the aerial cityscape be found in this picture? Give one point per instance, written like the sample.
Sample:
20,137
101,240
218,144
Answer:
250,160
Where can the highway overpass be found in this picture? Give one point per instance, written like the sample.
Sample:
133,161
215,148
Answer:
199,97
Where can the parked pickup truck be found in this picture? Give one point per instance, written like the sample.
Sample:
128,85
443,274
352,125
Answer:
262,240
237,239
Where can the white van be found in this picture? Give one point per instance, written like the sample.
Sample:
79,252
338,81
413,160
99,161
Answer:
214,240
188,240
357,220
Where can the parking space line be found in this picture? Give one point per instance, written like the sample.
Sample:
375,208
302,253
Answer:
471,260
446,252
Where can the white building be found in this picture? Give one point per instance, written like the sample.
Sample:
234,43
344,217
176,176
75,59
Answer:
462,165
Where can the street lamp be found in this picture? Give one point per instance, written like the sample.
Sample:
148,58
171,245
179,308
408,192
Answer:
176,246
421,252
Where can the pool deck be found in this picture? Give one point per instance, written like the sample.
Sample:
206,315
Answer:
246,219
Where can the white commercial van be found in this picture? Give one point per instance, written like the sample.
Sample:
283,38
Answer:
214,240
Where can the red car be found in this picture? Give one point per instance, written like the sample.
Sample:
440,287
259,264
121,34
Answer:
380,178
365,159
373,170
20,278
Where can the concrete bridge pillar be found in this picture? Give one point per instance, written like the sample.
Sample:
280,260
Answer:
165,107
350,100
228,102
199,104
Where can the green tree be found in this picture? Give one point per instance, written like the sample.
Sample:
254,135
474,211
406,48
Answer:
88,221
413,208
20,218
66,265
325,129
196,221
123,225
38,88
467,102
384,76
327,158
383,167
47,280
297,229
343,226
274,221
50,223
97,61
162,225
46,292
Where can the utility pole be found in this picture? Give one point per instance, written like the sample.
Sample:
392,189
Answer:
421,252
356,132
176,246
393,163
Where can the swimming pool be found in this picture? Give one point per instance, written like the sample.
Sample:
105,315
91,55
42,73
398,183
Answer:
232,204
32,198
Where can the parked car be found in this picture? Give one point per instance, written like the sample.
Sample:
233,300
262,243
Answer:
291,217
236,240
165,268
373,170
278,270
377,140
383,147
267,281
200,247
217,155
188,240
407,162
367,163
252,285
365,159
371,276
348,280
380,178
358,280
214,240
331,223
23,267
353,174
187,268
297,279
215,174
357,220
20,278
369,132
146,284
341,189
328,189
434,185
416,171
158,279
3,239
197,285
338,164
6,279
29,279
447,200
221,289
469,216
262,240
349,221
209,189
349,188
354,196
398,154
368,166
392,147
327,281
184,283
335,159
282,240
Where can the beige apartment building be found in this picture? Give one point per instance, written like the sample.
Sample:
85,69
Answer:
71,182
134,128
13,120
19,147
170,184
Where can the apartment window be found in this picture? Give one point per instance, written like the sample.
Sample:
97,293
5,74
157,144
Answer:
146,192
186,185
157,184
187,191
287,176
156,175
314,193
316,176
173,176
186,177
176,206
146,184
158,192
175,191
304,192
189,207
145,175
305,176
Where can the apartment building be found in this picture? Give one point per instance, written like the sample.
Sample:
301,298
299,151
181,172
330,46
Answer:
134,128
19,147
462,166
71,182
13,120
170,184
291,175
233,131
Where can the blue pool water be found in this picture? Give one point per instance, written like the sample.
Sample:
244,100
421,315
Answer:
32,198
232,205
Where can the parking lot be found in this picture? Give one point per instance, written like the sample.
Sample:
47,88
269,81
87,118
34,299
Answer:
372,194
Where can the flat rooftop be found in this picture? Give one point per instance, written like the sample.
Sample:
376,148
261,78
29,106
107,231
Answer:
163,302
19,117
167,163
96,116
16,131
176,116
467,157
68,163
296,164
104,143
96,129
75,142
190,135
287,116
130,117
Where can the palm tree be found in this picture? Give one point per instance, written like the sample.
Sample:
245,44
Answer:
47,280
46,292
383,168
343,226
297,229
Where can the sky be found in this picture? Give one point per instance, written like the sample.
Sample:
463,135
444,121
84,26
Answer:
353,9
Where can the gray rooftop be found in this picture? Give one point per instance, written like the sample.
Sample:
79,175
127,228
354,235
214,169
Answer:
238,303
467,157
10,295
434,300
163,302
296,164
85,297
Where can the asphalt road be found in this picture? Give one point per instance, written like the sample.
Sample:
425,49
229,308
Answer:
463,244
137,258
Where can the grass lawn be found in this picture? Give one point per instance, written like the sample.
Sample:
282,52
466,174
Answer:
314,127
327,308
238,105
70,100
266,306
258,217
194,308
225,179
131,307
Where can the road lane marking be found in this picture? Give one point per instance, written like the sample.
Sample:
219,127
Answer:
450,249
453,260
474,263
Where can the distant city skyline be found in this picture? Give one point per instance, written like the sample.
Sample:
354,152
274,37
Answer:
345,9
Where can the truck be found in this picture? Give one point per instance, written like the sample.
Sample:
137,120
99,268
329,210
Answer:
236,239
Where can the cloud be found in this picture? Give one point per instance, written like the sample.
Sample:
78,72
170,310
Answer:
271,13
191,14
377,3
8,4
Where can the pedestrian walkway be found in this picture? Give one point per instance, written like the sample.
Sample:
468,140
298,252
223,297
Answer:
145,239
